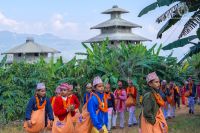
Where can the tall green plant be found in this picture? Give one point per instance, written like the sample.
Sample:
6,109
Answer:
174,15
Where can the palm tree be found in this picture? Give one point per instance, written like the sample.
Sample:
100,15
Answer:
174,15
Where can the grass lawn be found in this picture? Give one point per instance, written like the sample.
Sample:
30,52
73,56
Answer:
183,123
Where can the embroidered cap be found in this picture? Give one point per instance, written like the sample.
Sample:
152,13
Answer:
66,86
57,89
97,80
151,76
40,86
89,85
164,82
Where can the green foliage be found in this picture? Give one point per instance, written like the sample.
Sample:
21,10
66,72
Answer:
180,43
124,62
168,25
190,67
158,3
174,15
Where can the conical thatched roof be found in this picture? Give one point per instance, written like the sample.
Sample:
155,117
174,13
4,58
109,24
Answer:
31,47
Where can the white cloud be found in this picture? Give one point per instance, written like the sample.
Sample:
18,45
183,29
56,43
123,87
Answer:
56,24
5,21
59,24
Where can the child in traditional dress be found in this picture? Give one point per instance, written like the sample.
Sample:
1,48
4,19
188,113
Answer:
57,93
172,104
111,105
131,92
177,96
88,94
120,98
152,119
98,107
64,109
183,99
185,92
164,92
191,88
38,110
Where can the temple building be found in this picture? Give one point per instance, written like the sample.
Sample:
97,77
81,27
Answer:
30,52
116,29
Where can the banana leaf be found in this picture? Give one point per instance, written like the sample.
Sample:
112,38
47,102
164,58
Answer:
192,23
154,5
180,43
168,25
193,50
148,9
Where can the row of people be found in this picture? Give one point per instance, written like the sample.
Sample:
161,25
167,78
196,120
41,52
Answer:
65,103
117,102
102,107
172,94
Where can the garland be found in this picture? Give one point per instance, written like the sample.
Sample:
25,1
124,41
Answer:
159,99
107,95
103,106
38,103
66,103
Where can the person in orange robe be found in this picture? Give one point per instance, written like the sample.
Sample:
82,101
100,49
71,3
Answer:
183,89
64,108
152,119
57,93
131,92
172,104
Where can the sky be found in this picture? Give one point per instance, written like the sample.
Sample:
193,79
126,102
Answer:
72,19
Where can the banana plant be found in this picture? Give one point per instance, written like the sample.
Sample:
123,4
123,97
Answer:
174,15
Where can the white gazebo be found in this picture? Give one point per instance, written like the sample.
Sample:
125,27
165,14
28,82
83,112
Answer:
116,29
30,52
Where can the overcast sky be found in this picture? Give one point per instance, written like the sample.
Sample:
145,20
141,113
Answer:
72,19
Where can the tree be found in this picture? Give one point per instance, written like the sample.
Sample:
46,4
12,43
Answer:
134,62
174,15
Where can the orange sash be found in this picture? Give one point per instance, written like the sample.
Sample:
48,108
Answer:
65,126
103,106
84,123
170,98
130,90
107,95
38,103
159,99
53,101
130,101
159,127
37,120
189,92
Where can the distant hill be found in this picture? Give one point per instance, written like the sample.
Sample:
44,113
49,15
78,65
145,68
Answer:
67,47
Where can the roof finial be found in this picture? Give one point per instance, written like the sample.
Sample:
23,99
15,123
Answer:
115,6
29,39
